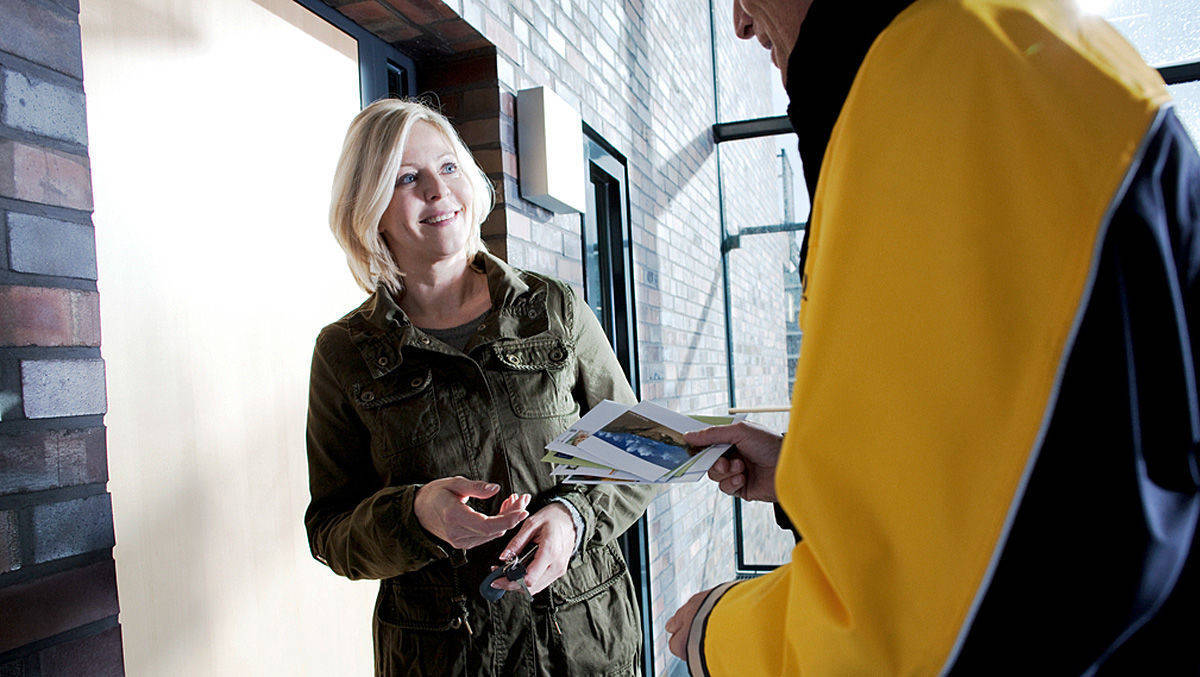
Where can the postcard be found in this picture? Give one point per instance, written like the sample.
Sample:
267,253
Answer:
641,443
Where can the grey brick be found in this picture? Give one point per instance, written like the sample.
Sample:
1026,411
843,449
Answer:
43,108
10,552
63,387
72,528
50,247
40,34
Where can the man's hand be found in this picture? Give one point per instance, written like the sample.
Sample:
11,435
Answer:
748,469
441,507
554,531
680,624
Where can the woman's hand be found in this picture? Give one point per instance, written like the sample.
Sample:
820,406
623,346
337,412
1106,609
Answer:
554,531
441,507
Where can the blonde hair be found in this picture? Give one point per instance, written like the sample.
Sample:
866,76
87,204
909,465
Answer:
366,177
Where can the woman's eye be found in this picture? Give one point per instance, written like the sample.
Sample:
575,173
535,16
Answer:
406,179
449,168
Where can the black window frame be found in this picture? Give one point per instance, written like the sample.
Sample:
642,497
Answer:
606,187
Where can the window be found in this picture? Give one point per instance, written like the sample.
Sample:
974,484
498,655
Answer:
608,289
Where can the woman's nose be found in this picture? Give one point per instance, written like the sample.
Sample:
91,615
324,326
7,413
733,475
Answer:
435,188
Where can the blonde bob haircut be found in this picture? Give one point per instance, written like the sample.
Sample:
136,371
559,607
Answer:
366,177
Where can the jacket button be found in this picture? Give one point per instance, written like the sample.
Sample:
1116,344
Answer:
513,359
416,382
425,340
558,355
382,361
368,396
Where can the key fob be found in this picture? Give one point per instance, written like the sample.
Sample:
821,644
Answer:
485,588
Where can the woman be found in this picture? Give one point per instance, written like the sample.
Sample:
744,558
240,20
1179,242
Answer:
429,409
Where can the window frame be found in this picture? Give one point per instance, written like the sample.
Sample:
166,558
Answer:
376,58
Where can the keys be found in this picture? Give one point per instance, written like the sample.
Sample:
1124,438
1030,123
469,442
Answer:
513,571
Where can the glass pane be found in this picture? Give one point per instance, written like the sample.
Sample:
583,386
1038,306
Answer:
1163,31
740,61
762,276
1187,107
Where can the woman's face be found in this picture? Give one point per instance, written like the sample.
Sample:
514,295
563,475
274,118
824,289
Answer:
426,222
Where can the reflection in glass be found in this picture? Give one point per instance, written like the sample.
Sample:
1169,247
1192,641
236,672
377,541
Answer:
1163,31
1187,107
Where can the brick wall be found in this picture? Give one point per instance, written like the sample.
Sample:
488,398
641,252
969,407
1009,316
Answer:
57,581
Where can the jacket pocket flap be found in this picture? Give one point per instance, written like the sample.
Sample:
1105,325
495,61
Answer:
429,608
599,570
399,387
540,354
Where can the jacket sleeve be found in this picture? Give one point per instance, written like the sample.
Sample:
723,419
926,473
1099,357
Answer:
607,511
356,526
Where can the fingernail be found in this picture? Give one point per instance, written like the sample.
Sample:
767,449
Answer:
491,487
507,554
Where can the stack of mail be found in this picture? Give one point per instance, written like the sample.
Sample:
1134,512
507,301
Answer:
642,443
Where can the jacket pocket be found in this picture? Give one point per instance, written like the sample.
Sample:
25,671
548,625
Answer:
421,630
403,406
594,607
429,608
537,375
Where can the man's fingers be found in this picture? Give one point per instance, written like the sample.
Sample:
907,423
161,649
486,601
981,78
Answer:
732,484
716,434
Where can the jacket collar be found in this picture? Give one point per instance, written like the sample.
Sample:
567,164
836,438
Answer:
834,40
380,329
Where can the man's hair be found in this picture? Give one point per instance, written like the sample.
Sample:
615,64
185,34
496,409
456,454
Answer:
366,177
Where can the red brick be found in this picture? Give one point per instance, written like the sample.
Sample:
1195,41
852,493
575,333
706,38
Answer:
478,70
471,45
480,132
479,102
510,163
52,605
508,105
49,459
455,30
490,160
96,656
44,316
397,31
45,176
444,10
419,12
367,12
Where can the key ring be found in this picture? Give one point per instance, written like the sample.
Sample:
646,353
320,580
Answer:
513,570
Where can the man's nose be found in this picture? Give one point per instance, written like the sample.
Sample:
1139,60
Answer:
743,25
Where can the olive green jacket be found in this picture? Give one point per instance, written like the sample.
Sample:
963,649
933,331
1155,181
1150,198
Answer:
391,408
